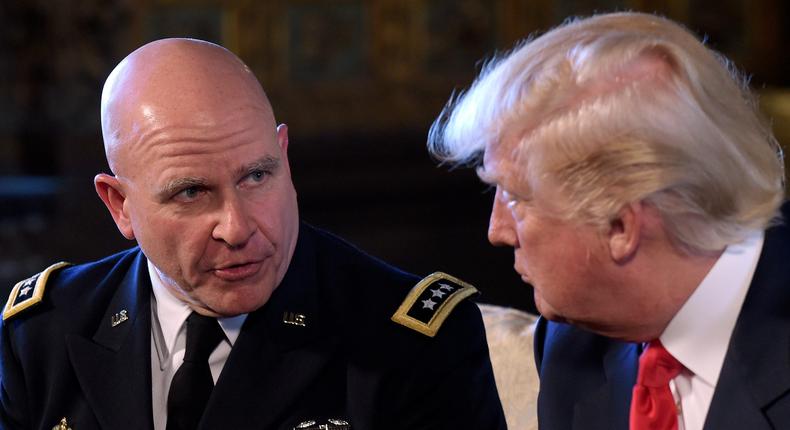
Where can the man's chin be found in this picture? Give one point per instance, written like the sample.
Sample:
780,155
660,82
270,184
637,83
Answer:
554,317
233,309
229,299
548,312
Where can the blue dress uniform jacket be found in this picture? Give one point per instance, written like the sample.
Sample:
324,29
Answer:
586,380
76,355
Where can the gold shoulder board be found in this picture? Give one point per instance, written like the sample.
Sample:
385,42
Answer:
431,301
29,292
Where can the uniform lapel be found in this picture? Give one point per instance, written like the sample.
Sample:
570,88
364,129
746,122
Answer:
754,385
273,362
114,367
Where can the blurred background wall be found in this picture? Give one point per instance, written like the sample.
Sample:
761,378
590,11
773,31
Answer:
358,82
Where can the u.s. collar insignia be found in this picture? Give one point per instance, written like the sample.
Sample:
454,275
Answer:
296,319
62,425
29,292
431,301
330,424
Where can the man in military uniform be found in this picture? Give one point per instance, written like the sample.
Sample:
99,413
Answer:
230,313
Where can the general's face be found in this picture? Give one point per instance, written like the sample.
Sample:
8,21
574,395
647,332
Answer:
562,260
211,203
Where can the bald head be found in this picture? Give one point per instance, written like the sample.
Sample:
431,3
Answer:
201,175
174,82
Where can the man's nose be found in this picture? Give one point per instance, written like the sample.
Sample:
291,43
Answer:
501,227
235,225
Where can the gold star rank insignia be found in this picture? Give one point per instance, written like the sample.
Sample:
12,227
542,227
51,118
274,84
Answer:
29,292
431,301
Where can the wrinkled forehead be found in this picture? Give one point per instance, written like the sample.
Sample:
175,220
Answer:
506,164
492,169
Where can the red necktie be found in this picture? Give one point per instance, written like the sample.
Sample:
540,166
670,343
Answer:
652,405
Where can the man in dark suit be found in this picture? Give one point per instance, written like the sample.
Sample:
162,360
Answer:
231,313
638,185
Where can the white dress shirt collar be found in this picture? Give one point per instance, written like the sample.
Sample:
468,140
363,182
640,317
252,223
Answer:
699,334
170,316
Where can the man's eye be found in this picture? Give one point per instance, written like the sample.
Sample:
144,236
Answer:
510,199
189,193
257,176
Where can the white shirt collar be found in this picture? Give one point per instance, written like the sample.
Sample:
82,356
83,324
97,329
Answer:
171,313
699,334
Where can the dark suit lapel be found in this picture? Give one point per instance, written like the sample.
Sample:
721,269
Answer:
608,406
114,367
586,379
753,387
272,362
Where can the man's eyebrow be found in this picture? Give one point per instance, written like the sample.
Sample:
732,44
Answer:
179,184
266,164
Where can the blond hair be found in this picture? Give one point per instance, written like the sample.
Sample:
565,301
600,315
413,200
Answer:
620,108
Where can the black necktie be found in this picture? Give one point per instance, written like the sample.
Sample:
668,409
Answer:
192,383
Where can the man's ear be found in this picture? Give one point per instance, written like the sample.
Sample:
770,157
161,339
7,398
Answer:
625,232
111,192
282,137
282,141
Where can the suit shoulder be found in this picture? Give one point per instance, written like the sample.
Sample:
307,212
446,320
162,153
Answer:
375,288
431,301
361,274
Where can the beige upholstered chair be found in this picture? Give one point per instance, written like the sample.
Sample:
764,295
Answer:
510,333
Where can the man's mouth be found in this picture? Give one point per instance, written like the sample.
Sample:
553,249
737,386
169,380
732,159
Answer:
238,272
524,277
